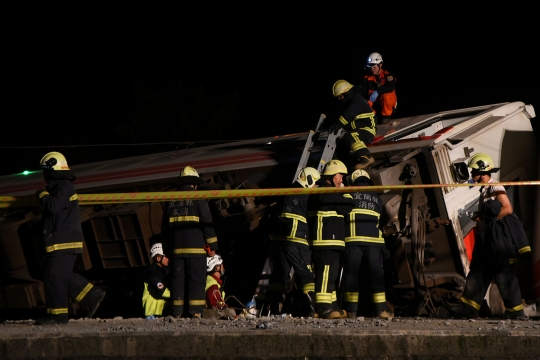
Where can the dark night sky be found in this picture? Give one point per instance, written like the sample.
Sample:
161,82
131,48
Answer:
71,73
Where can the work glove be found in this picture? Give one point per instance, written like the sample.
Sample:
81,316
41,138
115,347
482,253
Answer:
373,96
334,128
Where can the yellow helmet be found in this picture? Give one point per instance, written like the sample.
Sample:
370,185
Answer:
54,160
334,167
308,177
359,173
189,175
341,87
482,162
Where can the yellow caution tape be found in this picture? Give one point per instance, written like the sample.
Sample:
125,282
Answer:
122,198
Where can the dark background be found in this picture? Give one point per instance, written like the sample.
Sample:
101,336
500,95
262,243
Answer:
96,82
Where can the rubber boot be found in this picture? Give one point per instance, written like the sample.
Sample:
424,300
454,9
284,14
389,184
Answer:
351,314
364,161
462,310
514,315
382,312
311,303
276,303
52,320
92,300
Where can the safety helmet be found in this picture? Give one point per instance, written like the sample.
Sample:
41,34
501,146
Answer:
482,162
212,262
156,249
334,167
189,175
54,160
308,177
374,59
359,173
341,87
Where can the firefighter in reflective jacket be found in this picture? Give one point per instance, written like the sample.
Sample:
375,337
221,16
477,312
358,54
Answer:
364,249
358,119
63,237
379,88
189,227
155,293
290,247
495,221
328,240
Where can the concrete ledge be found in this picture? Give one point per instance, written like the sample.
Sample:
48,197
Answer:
276,344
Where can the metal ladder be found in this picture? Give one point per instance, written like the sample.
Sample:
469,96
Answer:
315,138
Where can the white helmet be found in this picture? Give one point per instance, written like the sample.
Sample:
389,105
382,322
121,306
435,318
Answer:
54,160
359,173
212,262
156,249
308,177
374,59
341,87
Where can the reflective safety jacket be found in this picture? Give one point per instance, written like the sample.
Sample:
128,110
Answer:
383,83
356,114
188,225
155,290
61,219
362,223
292,223
214,296
328,232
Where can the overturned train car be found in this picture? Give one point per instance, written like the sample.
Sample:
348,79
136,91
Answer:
429,231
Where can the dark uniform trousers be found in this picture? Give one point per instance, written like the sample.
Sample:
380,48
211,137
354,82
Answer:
59,280
188,282
361,260
327,267
286,254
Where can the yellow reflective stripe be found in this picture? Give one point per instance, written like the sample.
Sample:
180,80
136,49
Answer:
515,308
366,212
369,129
368,239
42,194
323,298
178,302
189,251
84,291
294,228
57,311
197,302
75,245
293,216
328,214
334,296
377,298
184,219
326,271
524,249
511,261
365,116
211,240
351,296
328,243
73,197
343,120
471,303
297,240
348,196
308,287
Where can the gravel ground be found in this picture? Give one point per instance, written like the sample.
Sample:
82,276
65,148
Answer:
170,324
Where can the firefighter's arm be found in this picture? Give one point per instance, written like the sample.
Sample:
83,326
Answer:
389,84
53,202
506,208
207,226
158,285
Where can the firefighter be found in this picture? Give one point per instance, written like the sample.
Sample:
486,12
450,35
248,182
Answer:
358,119
328,240
215,296
156,294
495,221
364,249
63,238
379,88
290,247
188,225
